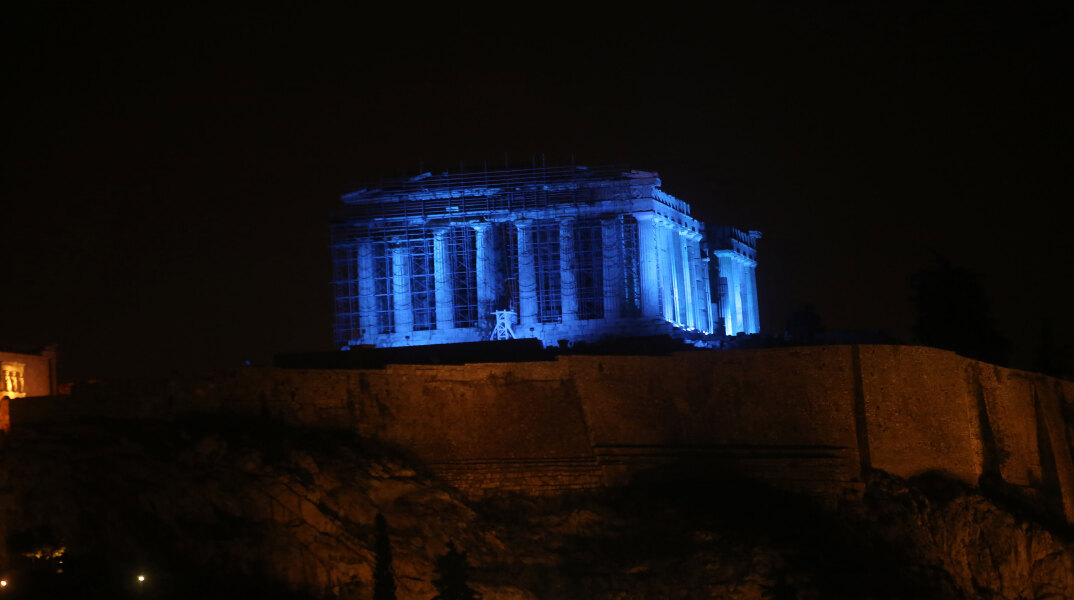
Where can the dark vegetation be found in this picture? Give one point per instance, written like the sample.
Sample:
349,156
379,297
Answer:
664,536
694,536
452,576
383,576
90,573
804,326
91,500
953,313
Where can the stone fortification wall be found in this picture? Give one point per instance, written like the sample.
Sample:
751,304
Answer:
931,410
786,414
920,411
809,418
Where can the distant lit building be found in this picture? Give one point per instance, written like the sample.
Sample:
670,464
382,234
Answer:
735,277
564,253
25,374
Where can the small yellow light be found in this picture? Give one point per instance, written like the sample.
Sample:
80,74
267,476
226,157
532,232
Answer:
141,578
3,583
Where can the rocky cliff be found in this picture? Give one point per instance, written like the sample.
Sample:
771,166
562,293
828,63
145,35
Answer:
215,507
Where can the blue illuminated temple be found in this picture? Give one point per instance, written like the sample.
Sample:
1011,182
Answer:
558,253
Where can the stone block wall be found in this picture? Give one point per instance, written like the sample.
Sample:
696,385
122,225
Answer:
552,476
1010,445
929,410
807,418
921,411
783,414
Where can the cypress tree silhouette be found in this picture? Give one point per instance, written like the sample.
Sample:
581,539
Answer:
383,577
452,576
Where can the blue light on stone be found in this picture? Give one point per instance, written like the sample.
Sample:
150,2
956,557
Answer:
572,253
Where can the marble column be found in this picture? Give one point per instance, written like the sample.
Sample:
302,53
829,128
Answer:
740,296
665,266
527,277
486,284
611,253
729,302
686,240
706,290
442,276
678,276
648,273
755,312
568,276
404,316
747,300
367,302
697,281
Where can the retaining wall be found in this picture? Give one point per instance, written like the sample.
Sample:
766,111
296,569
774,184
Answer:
809,418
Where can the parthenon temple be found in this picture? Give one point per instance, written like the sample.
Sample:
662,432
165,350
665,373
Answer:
554,253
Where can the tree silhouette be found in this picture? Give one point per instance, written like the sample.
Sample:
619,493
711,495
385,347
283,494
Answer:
804,325
952,313
1050,357
451,576
383,577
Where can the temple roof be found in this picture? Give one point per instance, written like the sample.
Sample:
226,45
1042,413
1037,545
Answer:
483,183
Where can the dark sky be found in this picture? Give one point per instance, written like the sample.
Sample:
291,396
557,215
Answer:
167,175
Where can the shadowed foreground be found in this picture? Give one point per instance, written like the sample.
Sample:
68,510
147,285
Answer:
230,508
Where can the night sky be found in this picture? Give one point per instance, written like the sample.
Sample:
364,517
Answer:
168,176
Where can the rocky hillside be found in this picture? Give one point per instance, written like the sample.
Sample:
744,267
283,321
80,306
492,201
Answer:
228,508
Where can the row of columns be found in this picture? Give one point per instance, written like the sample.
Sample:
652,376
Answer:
673,277
740,309
404,313
402,307
568,284
673,273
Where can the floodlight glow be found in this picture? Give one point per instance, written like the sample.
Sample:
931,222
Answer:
141,578
575,254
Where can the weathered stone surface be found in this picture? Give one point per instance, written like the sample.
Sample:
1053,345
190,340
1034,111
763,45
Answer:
277,508
269,476
803,418
295,510
979,548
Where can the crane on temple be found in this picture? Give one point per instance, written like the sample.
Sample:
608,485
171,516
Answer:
567,253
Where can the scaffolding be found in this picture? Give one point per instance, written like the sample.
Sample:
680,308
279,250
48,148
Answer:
631,282
347,305
383,290
399,212
547,268
405,254
511,190
422,283
463,257
506,240
589,268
